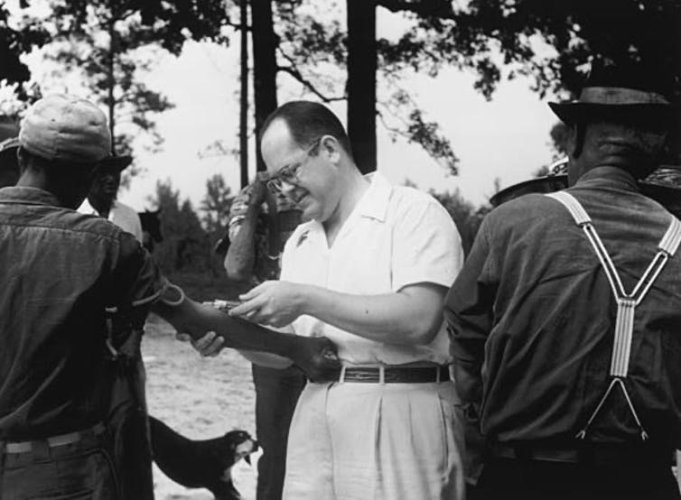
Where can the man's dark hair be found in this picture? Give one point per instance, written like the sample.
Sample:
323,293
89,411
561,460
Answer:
308,121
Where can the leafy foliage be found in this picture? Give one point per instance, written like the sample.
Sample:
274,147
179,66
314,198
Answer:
15,41
185,244
108,46
549,40
466,216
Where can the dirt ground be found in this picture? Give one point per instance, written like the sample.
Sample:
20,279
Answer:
199,397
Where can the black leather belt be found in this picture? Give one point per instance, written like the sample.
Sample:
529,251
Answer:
394,374
53,441
587,453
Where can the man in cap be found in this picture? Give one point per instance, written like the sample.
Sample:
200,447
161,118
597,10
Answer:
370,268
566,317
76,291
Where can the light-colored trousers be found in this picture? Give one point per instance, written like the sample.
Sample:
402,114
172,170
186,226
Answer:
372,441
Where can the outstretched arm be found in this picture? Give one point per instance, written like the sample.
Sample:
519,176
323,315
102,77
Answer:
316,356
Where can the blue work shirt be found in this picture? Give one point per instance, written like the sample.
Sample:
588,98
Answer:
533,316
59,270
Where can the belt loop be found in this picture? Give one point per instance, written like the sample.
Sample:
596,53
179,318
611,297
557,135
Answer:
381,375
437,374
342,374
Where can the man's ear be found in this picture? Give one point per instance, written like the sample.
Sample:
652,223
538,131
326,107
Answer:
330,146
575,140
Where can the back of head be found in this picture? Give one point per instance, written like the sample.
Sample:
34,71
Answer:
62,138
623,116
307,121
67,129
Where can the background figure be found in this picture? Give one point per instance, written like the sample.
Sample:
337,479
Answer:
370,268
565,318
260,223
101,199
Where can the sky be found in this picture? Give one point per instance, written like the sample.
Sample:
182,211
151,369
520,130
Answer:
506,138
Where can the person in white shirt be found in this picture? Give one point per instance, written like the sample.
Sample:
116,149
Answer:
369,270
102,198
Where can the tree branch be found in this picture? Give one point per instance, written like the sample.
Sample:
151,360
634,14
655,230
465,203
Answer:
295,73
439,8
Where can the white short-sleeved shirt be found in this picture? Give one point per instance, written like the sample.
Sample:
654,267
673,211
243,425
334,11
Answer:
396,236
121,215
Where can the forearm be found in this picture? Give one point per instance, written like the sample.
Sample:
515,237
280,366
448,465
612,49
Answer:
240,258
196,319
266,359
410,317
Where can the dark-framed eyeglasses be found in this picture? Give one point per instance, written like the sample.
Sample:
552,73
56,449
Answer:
289,173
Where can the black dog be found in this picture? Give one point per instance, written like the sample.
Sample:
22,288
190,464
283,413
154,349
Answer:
200,464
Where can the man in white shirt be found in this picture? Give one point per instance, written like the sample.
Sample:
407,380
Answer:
102,197
369,270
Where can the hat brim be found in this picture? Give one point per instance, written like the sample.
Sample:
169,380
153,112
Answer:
116,162
667,195
572,113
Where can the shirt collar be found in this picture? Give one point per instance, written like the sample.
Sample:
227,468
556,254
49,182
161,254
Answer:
608,177
87,208
28,195
374,203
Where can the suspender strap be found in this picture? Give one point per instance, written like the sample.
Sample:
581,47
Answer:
626,302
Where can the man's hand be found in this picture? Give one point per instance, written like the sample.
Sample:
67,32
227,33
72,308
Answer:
318,358
208,346
274,303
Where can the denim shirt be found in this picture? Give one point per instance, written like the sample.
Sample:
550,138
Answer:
533,311
59,271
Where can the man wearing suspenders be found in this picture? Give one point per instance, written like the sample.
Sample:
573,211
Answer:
566,319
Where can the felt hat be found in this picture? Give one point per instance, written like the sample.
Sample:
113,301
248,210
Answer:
626,90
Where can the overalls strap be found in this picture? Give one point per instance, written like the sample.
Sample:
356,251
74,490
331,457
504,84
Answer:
626,302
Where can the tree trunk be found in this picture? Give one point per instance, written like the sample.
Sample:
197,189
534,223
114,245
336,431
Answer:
361,84
243,115
264,67
111,80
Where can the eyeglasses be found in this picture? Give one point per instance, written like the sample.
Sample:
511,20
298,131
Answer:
289,173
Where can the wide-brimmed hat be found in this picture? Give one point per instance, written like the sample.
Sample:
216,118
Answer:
626,89
66,128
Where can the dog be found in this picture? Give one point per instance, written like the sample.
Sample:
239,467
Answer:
201,464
